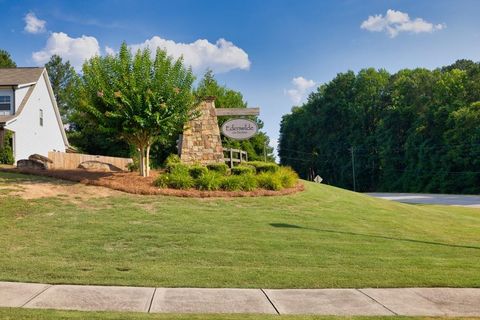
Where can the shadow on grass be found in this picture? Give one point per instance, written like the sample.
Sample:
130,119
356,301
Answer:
293,226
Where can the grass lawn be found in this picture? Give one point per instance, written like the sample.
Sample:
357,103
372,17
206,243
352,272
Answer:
323,237
25,314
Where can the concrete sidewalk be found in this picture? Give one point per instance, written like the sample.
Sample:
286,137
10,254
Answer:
404,301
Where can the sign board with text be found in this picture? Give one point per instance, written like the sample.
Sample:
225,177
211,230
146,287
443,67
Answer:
239,129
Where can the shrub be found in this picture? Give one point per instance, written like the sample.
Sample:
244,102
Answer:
133,166
269,181
178,168
244,182
214,177
176,180
232,183
173,158
221,168
180,181
162,180
171,161
196,171
261,166
287,176
249,182
6,152
209,181
243,169
6,155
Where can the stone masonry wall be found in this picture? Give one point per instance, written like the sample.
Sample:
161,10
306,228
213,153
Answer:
201,142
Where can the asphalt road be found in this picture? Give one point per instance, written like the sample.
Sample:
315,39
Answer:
442,199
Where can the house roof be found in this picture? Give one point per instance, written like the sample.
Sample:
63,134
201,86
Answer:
19,76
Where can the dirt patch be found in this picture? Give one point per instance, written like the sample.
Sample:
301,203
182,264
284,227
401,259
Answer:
76,191
65,189
131,182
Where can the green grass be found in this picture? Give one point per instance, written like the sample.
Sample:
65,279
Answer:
26,314
323,237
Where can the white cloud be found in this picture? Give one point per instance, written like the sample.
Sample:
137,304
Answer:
201,54
395,22
109,51
33,24
75,50
300,87
222,56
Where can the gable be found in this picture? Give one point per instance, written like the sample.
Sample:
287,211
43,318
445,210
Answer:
42,87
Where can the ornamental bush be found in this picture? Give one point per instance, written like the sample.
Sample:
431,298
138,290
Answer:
269,181
244,177
244,182
210,181
261,166
178,168
6,155
249,182
133,166
221,168
172,161
196,171
232,183
6,151
162,181
178,178
287,176
243,169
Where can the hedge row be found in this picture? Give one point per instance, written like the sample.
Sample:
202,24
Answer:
245,177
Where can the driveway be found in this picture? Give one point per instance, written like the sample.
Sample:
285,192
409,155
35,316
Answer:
423,198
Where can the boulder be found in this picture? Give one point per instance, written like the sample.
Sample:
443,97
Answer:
47,162
93,165
31,164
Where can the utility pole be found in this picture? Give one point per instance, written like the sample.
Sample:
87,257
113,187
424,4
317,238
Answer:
352,149
265,151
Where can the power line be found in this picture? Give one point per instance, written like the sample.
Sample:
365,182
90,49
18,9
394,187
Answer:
298,151
298,159
436,171
353,168
364,148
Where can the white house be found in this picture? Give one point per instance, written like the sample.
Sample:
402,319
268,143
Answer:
29,110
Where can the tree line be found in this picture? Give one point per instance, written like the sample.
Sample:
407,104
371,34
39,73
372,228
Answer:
412,131
136,104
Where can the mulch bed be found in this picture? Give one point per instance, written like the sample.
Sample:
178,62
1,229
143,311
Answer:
132,182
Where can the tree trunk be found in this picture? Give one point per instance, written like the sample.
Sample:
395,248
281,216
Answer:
147,161
142,161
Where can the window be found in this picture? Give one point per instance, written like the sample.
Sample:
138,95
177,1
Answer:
41,118
5,103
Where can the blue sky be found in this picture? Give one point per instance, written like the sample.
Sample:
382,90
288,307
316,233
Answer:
268,43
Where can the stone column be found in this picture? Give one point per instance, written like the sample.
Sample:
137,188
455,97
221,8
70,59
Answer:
201,141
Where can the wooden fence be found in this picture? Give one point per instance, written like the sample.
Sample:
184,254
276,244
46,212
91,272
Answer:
70,161
235,156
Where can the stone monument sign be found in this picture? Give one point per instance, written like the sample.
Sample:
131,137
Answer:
201,142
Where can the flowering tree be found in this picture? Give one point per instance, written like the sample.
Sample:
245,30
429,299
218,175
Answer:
143,100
